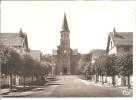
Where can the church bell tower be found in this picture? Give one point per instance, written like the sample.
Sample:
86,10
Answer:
65,47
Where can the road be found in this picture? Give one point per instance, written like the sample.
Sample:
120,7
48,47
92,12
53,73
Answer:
73,86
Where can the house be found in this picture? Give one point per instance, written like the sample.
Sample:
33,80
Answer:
96,53
19,42
120,43
36,55
16,40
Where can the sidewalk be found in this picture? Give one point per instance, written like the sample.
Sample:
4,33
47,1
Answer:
4,91
18,91
20,88
110,85
15,88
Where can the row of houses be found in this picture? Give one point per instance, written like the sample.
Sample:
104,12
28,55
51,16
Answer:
118,43
18,41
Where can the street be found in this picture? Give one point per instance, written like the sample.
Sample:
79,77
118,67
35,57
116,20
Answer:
72,86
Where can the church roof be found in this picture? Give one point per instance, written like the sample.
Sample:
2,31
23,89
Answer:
65,24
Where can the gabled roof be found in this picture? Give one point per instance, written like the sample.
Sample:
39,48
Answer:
12,39
120,39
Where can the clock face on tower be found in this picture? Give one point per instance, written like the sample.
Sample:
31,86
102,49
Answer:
65,51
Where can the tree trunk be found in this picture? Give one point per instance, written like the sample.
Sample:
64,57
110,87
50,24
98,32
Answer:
85,76
24,81
128,81
32,79
46,76
113,80
106,79
124,80
102,80
11,82
96,78
90,77
37,78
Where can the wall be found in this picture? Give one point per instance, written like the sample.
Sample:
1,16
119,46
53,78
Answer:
121,51
75,64
113,51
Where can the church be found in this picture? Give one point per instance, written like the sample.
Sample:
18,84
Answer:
64,58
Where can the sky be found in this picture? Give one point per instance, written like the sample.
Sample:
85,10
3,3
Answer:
89,22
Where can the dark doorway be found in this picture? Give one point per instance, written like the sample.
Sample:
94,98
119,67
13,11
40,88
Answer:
64,70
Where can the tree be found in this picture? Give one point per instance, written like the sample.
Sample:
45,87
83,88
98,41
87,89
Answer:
46,69
99,67
40,71
112,68
12,64
126,66
46,57
27,67
95,69
4,52
91,70
37,69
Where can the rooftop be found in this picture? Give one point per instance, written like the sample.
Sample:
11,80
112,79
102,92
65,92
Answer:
12,39
122,38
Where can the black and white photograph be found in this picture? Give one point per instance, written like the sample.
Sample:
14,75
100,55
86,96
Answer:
67,49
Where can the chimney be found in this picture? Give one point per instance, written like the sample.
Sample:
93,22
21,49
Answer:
21,34
114,32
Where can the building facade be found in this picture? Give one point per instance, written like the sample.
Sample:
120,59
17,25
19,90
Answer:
64,58
120,43
96,54
36,55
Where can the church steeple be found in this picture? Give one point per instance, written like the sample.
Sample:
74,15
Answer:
65,24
